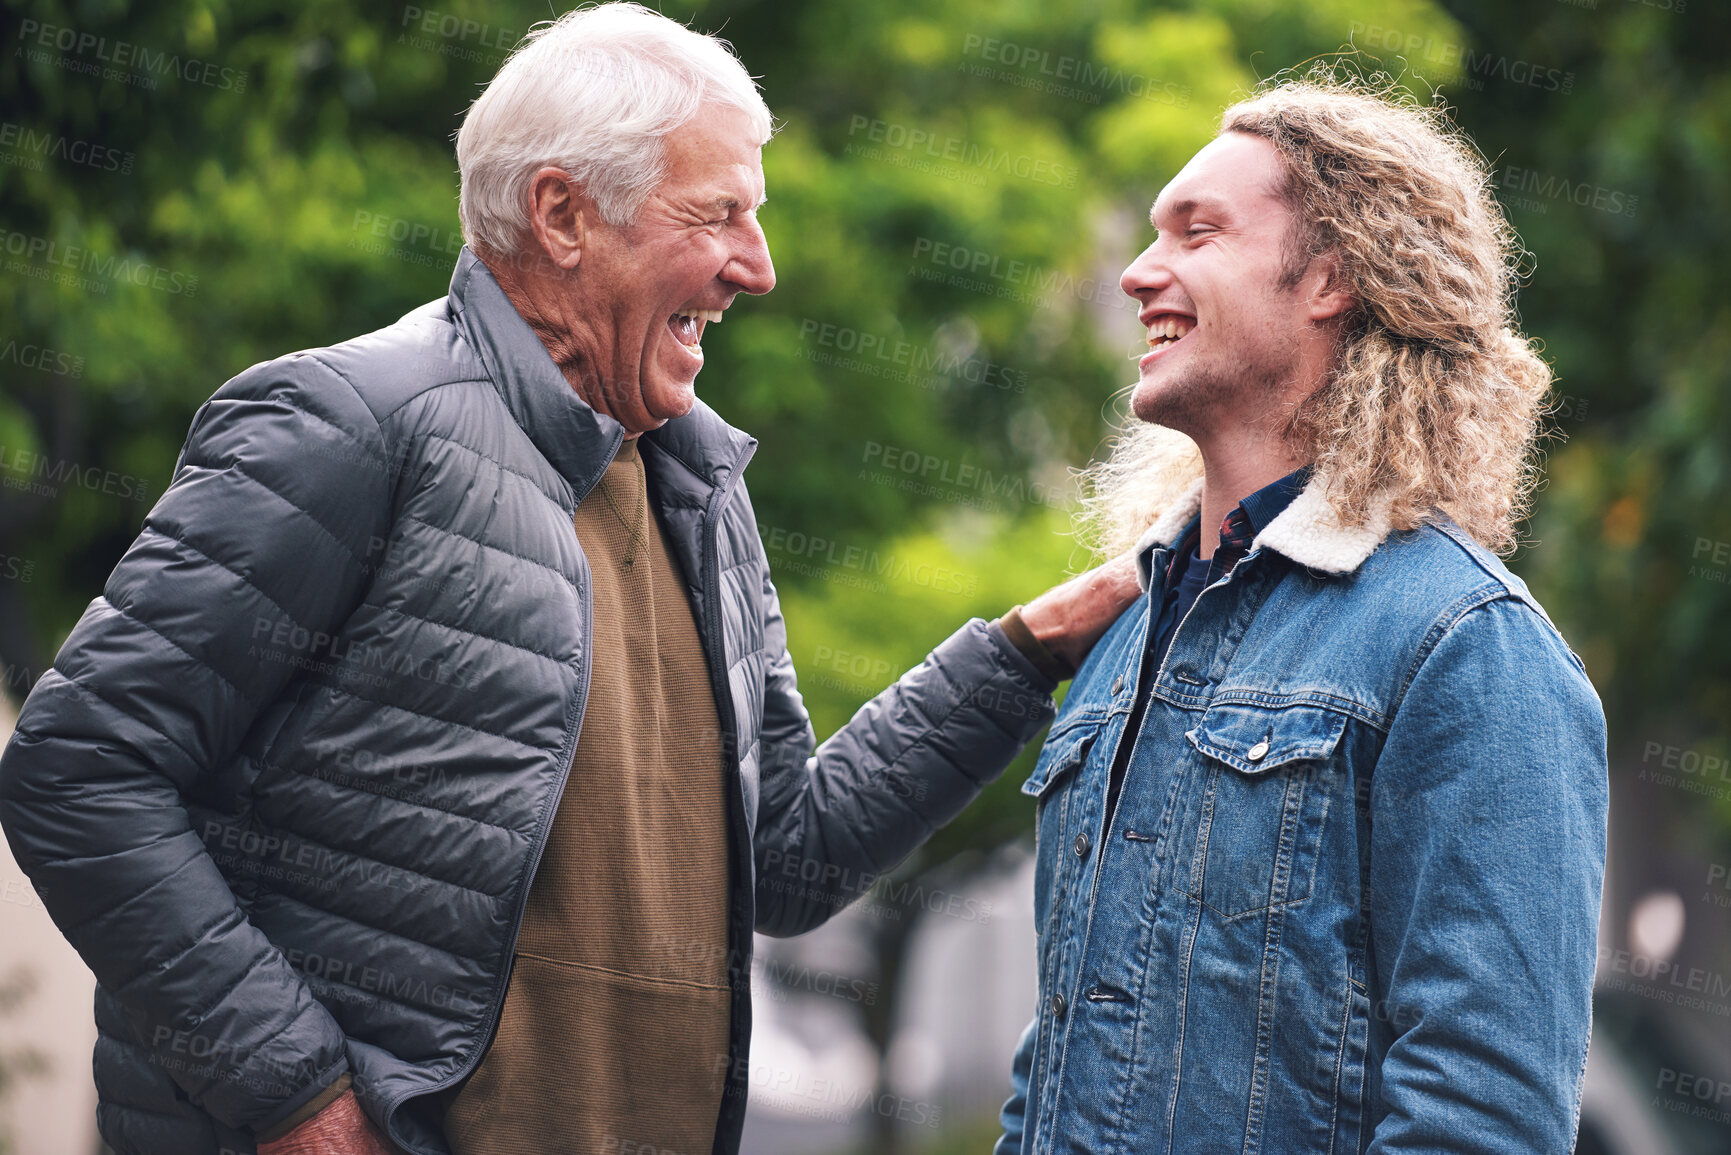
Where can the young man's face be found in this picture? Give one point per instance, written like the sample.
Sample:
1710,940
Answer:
1224,337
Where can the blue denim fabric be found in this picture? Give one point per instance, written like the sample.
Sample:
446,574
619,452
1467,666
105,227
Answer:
1349,897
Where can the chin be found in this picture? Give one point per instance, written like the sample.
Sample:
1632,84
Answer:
674,401
1149,400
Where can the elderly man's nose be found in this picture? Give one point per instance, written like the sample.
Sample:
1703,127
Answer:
751,268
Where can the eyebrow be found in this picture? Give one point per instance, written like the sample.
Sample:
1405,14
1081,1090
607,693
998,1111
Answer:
1187,206
727,203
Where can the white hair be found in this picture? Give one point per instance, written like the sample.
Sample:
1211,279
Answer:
596,93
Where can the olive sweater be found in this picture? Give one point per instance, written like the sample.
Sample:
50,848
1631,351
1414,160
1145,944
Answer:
614,1032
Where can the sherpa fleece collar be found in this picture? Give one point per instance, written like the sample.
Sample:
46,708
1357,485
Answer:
1308,531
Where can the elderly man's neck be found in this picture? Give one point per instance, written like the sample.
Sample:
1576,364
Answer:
542,299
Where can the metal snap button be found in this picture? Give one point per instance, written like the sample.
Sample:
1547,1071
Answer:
1117,686
1257,752
1081,846
1058,1006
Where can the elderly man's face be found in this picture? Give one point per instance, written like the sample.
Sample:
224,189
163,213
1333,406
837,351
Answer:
645,291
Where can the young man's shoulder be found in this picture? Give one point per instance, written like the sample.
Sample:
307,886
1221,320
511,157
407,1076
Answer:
1434,576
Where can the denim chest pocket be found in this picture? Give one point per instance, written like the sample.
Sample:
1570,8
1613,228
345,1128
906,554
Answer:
1059,766
1062,752
1266,803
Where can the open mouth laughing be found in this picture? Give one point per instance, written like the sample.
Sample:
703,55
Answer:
1167,329
687,326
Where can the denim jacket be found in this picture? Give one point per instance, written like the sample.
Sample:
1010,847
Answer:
1348,900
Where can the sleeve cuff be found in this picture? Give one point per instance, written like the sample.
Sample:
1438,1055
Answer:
306,1110
1043,659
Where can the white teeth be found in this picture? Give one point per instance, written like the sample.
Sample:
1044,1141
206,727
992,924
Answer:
711,315
1169,328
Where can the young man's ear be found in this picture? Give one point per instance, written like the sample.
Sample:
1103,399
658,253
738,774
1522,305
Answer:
558,216
1327,296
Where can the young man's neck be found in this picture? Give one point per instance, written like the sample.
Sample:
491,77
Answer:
1233,473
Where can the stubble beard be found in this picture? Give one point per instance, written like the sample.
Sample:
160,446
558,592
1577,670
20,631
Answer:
1206,399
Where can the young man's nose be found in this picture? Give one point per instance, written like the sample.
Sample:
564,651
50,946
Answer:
1146,273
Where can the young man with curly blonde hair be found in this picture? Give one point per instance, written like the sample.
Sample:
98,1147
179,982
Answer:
1322,820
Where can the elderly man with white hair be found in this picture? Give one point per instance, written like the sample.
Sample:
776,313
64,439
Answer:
422,772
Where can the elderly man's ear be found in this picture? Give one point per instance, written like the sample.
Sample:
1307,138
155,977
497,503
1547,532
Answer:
559,216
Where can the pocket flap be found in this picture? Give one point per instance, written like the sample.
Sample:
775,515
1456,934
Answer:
1257,739
1063,751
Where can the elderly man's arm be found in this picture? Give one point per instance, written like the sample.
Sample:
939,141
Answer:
830,822
254,553
1487,813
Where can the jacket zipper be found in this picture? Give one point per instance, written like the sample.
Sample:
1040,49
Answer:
715,654
586,666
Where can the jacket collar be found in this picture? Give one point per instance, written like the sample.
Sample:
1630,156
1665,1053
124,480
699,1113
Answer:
578,441
1308,531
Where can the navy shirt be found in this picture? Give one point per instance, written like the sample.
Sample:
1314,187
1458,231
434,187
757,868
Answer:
1186,576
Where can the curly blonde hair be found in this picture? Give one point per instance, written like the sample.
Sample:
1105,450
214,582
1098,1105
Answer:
1436,400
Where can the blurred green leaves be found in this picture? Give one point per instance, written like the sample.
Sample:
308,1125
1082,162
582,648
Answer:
953,193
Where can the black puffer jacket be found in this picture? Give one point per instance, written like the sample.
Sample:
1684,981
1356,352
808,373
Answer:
290,776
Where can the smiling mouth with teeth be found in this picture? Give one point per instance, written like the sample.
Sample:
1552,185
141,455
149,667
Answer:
1168,330
688,327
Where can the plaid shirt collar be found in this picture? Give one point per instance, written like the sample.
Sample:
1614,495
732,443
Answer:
1241,525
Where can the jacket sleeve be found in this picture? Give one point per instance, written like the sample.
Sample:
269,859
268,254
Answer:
1487,810
831,822
253,555
1014,1116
